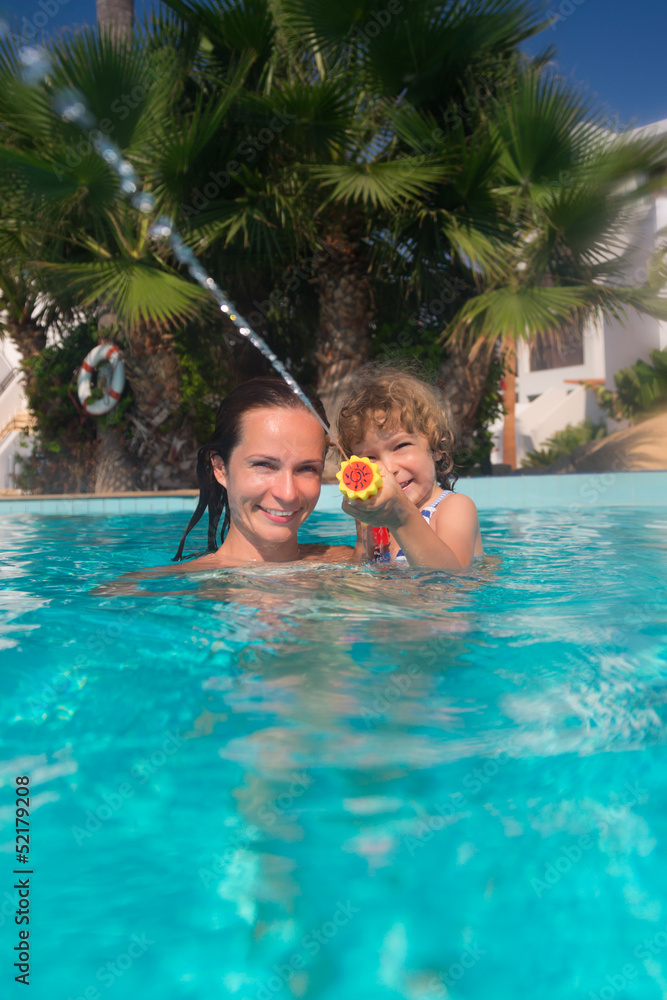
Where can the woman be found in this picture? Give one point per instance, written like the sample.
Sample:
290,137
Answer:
261,472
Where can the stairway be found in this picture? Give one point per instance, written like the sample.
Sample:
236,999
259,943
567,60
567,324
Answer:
14,421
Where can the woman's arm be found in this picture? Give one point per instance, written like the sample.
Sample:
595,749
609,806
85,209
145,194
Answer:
364,550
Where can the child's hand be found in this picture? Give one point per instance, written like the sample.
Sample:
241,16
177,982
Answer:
389,508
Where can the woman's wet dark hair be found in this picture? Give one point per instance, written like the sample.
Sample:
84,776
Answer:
256,394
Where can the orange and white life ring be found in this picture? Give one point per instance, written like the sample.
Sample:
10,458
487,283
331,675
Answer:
113,379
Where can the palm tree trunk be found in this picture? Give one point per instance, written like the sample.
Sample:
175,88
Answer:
163,441
30,340
509,424
343,339
115,17
157,452
115,472
462,377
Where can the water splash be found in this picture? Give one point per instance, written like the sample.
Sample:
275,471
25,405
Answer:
70,105
164,229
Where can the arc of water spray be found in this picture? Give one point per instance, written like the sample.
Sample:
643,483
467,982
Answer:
71,107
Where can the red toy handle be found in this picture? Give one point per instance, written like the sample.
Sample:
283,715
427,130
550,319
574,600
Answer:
381,536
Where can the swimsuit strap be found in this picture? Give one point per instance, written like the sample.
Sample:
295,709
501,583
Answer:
426,514
431,507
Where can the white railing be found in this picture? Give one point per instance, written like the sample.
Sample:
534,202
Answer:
14,418
551,412
12,399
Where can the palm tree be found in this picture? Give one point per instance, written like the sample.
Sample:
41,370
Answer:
521,194
115,17
283,130
338,175
568,191
96,248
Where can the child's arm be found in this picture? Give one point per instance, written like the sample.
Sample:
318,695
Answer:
449,542
450,539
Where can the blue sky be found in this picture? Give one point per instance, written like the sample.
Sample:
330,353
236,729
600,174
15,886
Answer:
615,48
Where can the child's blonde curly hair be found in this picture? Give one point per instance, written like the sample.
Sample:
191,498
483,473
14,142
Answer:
391,395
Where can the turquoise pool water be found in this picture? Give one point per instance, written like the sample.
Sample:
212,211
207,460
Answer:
339,783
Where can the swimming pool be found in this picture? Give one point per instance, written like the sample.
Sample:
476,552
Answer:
328,782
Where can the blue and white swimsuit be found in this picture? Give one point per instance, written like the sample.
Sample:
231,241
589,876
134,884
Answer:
427,514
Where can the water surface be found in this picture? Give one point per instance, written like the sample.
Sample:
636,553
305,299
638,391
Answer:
303,781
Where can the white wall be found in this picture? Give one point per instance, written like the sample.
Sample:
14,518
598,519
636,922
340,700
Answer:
552,412
608,345
11,448
535,383
625,342
12,405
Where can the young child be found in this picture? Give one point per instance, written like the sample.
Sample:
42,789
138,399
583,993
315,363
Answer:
398,421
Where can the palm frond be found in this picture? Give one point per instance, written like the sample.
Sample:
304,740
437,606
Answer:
315,119
230,28
385,185
140,292
517,313
540,126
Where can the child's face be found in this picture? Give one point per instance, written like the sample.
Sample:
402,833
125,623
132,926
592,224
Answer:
407,456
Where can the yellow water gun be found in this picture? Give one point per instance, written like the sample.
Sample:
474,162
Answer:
359,478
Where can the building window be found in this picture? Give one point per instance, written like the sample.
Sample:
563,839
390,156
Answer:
558,350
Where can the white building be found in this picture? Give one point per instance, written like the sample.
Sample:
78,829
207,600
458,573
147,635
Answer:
14,416
548,396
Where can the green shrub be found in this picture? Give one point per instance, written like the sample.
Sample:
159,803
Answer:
640,389
564,443
477,461
63,445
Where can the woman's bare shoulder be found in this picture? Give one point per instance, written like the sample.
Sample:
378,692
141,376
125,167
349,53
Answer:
317,552
127,583
211,560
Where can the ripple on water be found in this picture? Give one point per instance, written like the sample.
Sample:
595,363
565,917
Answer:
468,766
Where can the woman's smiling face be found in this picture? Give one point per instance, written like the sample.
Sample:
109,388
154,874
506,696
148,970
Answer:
273,477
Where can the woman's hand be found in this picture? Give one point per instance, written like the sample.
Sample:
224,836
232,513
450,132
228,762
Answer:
364,550
389,508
